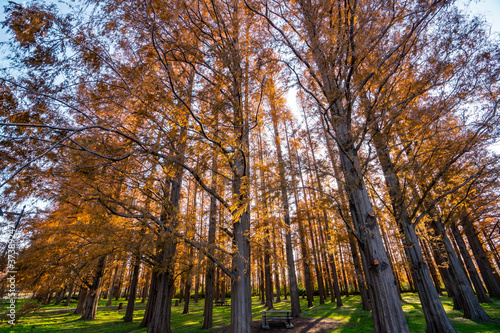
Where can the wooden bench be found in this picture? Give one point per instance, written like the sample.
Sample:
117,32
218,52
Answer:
285,315
221,303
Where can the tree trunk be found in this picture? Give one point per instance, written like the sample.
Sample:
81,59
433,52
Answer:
469,264
197,279
210,270
145,289
118,290
268,282
277,284
162,310
187,294
389,316
465,294
129,314
494,251
93,294
153,292
112,286
435,316
290,260
344,278
162,307
365,301
432,268
60,296
391,259
485,267
70,293
241,297
82,299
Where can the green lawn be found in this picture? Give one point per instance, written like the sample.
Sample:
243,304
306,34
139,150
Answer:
354,319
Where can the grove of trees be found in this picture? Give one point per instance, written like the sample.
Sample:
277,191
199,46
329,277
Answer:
188,149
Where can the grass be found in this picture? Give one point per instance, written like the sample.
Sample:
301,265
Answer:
352,317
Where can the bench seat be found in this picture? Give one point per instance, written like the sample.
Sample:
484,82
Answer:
284,315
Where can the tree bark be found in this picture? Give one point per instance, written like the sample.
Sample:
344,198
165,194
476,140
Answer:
70,293
432,268
210,270
93,294
60,296
112,286
187,294
153,292
145,289
344,278
129,314
469,264
290,260
162,310
365,301
465,294
82,298
435,316
118,290
389,316
485,267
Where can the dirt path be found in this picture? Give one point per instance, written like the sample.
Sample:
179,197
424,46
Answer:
301,325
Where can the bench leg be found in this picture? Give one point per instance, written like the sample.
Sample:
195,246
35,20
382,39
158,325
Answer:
288,323
265,325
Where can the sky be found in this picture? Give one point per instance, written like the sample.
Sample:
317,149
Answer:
490,9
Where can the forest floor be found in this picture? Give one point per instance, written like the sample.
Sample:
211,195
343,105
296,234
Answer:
324,318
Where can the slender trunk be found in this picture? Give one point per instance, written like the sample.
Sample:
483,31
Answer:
197,279
290,260
354,250
344,278
182,286
93,294
365,301
432,268
118,290
129,314
442,263
70,293
278,286
283,276
112,282
317,263
187,294
145,289
465,294
325,216
469,264
210,270
60,296
494,251
262,287
217,284
391,259
485,267
268,282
